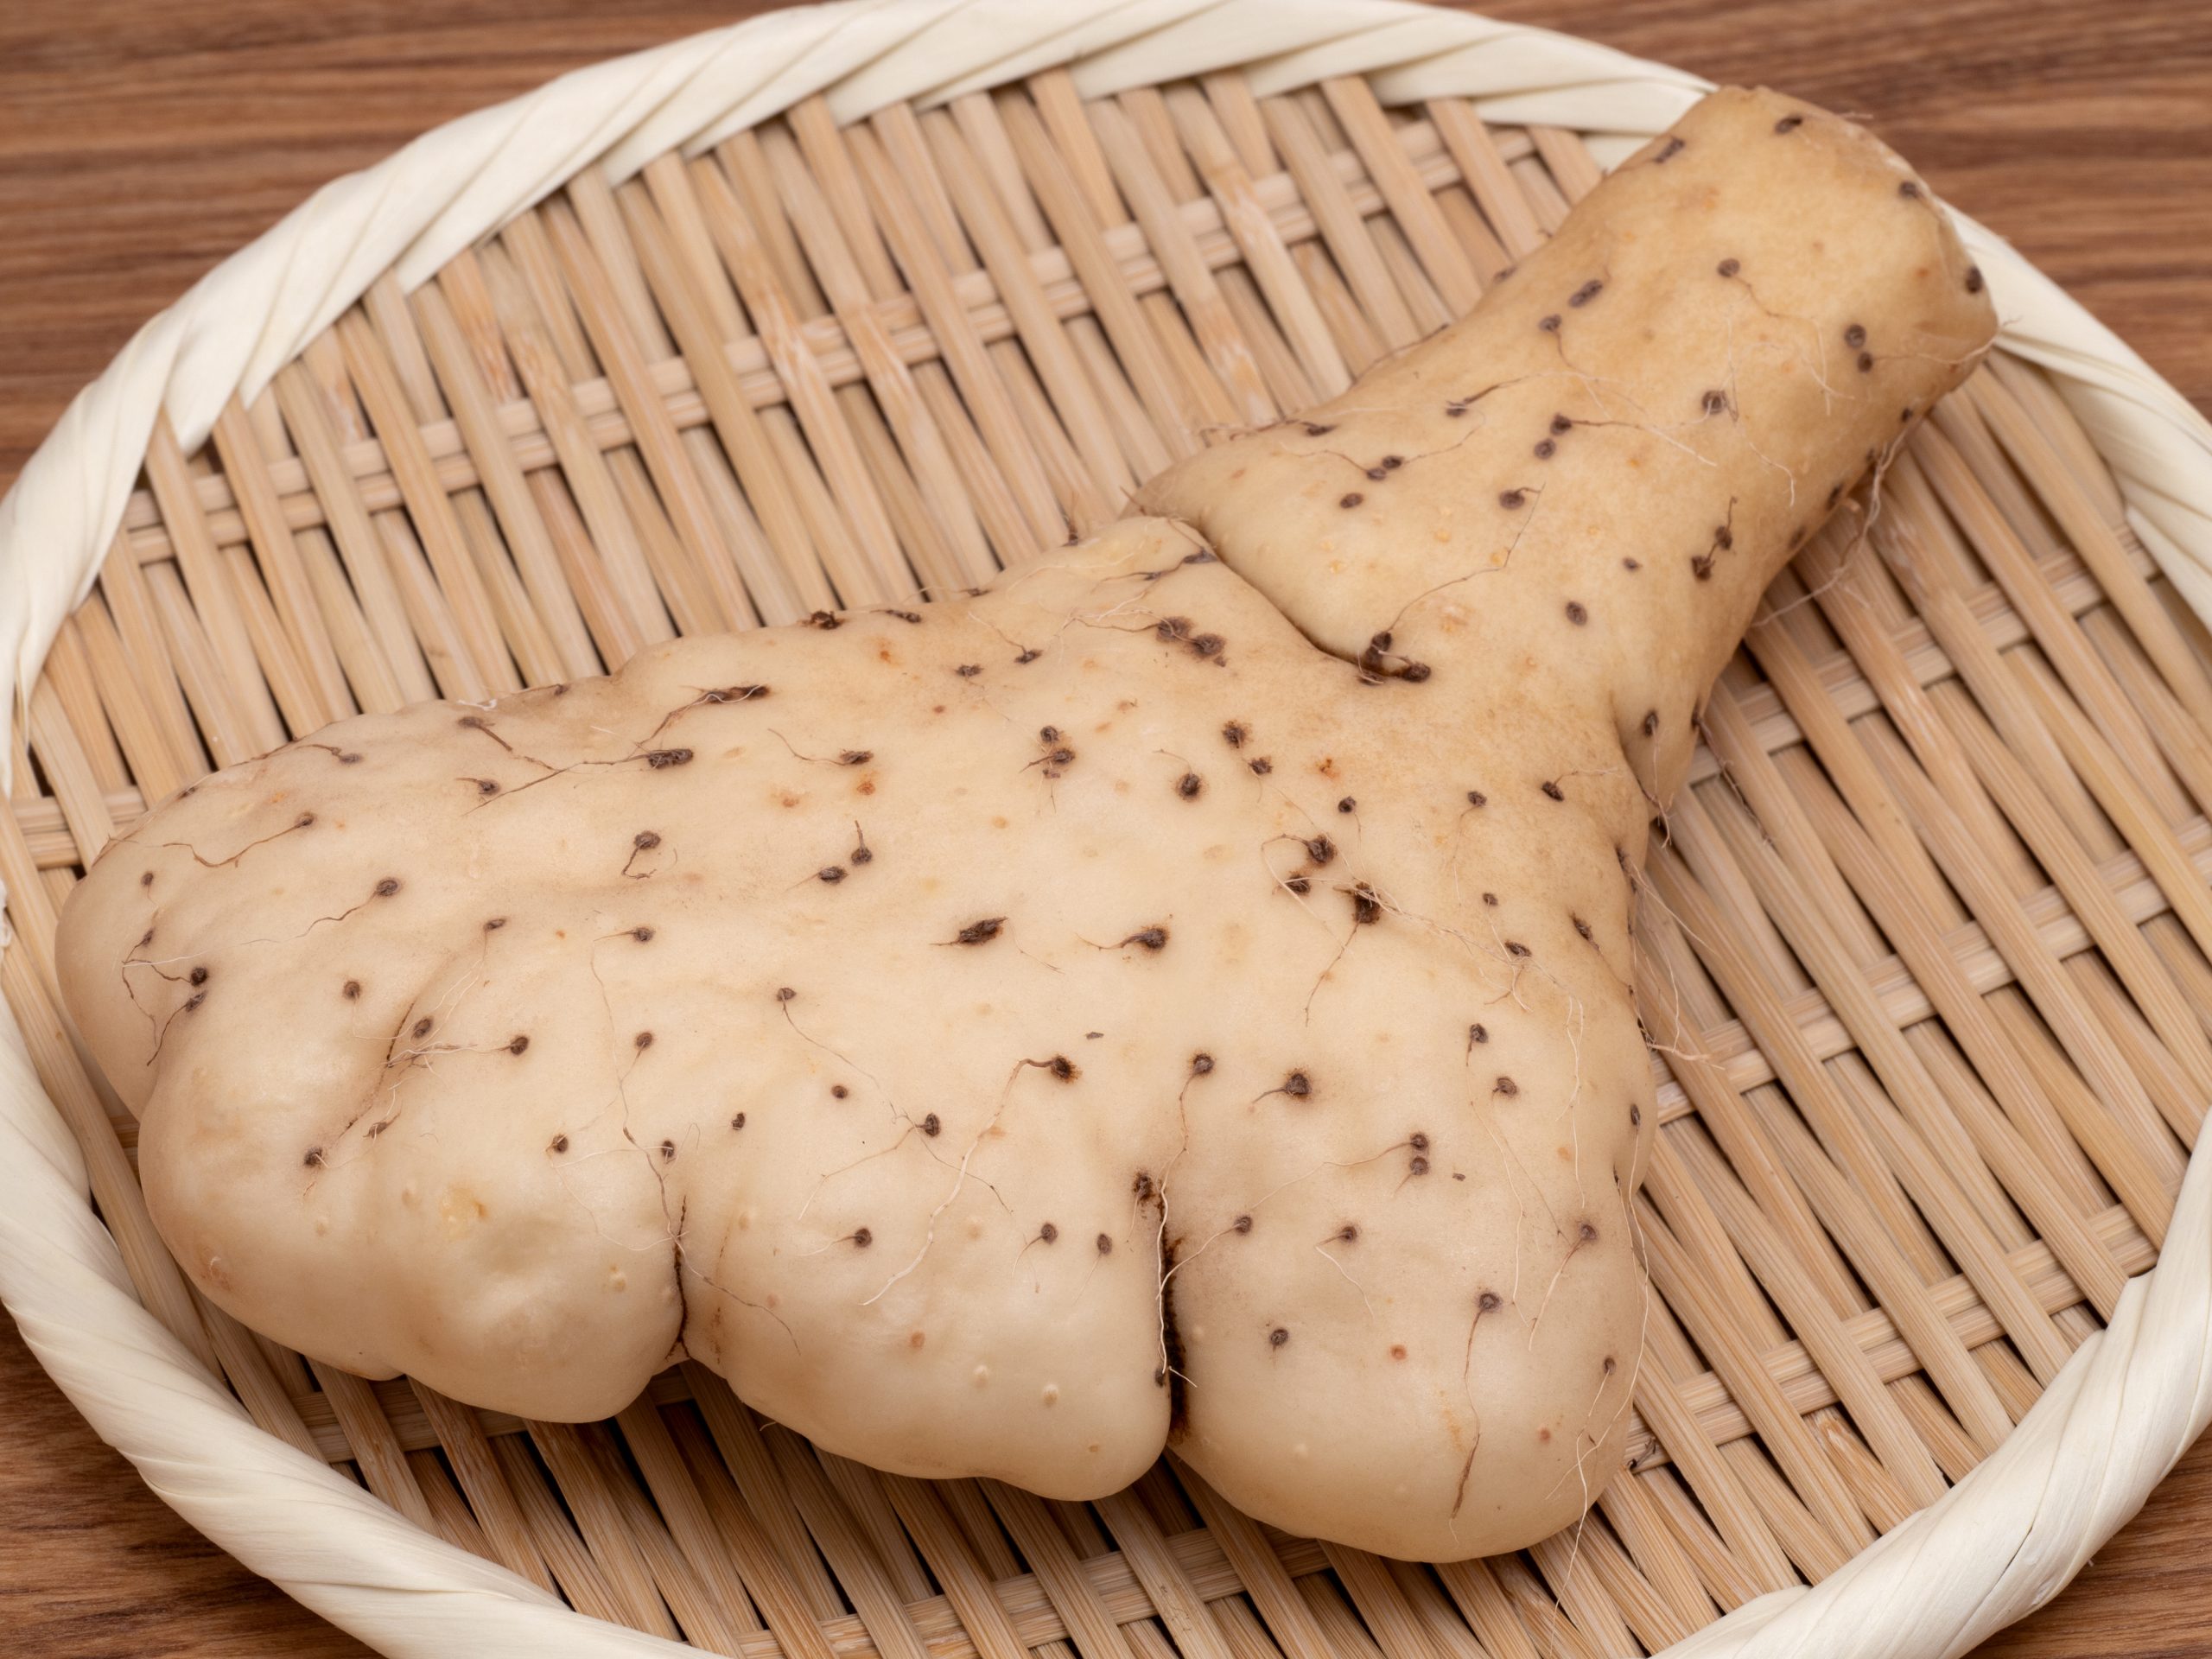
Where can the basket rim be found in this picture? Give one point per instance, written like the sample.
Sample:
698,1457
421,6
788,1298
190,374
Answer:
1998,1544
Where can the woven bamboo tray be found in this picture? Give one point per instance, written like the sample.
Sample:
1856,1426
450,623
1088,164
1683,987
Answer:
850,303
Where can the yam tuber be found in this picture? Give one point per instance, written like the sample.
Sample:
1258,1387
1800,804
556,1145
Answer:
1182,993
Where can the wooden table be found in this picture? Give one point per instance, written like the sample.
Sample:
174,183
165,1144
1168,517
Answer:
141,140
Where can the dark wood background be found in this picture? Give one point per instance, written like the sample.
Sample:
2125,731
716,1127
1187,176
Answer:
142,140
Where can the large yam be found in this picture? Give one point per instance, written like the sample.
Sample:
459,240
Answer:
1183,991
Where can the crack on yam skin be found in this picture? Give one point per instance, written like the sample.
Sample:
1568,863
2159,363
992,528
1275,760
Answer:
1172,1375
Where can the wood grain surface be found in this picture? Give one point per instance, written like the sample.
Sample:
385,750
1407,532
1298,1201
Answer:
141,140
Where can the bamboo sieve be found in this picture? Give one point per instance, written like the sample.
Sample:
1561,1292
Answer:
707,336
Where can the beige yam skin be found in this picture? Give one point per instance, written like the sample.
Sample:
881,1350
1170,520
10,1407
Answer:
540,1230
1571,499
1654,410
525,1047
